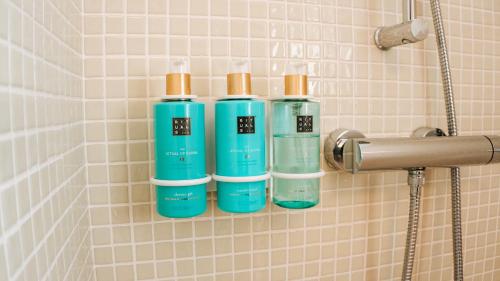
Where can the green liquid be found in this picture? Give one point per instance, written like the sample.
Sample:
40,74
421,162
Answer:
299,154
296,153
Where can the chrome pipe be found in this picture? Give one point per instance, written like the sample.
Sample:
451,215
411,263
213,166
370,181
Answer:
350,151
411,30
405,153
409,7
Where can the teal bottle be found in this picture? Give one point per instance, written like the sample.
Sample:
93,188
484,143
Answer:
180,151
240,148
296,146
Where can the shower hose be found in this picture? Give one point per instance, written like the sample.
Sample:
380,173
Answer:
416,177
452,131
415,181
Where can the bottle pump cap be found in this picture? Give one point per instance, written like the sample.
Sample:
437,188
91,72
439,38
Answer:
238,79
296,79
178,78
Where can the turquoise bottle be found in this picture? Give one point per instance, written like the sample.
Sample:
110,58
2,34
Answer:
180,148
295,145
240,146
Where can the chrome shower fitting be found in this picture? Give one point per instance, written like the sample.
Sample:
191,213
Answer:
411,30
350,151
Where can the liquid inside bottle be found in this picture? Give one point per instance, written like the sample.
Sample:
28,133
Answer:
296,144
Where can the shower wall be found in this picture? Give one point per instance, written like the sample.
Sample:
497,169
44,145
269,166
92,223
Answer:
44,221
358,230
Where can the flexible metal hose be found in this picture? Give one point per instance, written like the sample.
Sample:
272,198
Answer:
415,181
452,130
456,214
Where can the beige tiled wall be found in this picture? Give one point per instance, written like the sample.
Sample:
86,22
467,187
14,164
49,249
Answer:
358,230
44,218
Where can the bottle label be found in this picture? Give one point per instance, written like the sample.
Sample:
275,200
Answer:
181,196
246,124
304,123
181,126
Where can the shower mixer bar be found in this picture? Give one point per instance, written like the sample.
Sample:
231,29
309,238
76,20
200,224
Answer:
350,151
411,30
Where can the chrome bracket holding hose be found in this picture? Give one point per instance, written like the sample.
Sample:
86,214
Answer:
351,151
411,30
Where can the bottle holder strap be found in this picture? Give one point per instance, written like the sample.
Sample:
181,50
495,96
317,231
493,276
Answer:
241,179
296,176
188,182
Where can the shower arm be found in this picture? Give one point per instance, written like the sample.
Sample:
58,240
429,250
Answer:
350,151
411,30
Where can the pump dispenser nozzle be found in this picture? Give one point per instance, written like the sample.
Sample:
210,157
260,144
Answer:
296,79
238,78
178,78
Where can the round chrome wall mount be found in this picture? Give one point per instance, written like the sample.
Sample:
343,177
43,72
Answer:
334,146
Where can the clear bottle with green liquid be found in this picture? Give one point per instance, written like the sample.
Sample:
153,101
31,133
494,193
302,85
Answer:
296,144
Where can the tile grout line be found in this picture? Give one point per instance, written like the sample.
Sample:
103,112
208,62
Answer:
85,140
